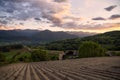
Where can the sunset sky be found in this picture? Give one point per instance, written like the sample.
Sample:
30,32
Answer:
60,15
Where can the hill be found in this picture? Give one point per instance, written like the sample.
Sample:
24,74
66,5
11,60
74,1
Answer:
47,35
109,40
33,36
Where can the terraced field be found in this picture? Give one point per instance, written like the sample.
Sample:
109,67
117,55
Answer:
105,68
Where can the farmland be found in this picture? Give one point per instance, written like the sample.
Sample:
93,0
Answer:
99,68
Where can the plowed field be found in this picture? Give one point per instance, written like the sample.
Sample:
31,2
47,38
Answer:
104,68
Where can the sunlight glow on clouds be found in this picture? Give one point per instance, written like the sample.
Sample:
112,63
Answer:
60,15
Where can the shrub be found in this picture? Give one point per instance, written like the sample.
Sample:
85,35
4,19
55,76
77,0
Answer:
24,56
40,55
91,49
2,57
54,56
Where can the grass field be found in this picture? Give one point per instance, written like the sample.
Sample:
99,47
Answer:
103,68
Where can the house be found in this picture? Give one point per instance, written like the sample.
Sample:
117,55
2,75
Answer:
70,54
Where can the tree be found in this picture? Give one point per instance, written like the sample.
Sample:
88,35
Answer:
91,49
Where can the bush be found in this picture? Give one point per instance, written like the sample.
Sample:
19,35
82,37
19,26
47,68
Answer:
2,57
91,49
40,55
23,57
54,56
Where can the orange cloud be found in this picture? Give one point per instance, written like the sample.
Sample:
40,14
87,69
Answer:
10,27
100,28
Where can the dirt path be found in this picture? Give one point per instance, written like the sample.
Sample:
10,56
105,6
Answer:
104,68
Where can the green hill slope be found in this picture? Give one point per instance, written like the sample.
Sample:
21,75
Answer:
109,40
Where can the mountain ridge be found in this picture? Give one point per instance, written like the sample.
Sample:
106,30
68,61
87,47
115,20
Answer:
33,35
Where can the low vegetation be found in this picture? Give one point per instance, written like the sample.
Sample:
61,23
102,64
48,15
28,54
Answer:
109,41
2,57
40,55
91,49
20,53
106,44
68,44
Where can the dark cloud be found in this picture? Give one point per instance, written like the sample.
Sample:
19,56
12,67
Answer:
10,10
73,18
98,18
3,16
110,8
37,19
60,0
115,16
4,22
32,9
21,23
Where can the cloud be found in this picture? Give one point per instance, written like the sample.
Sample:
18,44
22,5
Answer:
98,18
21,23
115,16
91,26
3,16
70,25
104,26
73,18
53,10
60,0
37,19
4,22
110,8
3,27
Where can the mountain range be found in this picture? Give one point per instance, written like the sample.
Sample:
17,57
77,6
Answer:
38,36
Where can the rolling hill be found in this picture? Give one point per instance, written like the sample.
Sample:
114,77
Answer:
109,40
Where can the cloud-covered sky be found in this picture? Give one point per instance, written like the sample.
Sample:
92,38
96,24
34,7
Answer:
60,15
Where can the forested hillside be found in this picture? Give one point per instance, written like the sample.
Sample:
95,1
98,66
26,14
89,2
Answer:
109,40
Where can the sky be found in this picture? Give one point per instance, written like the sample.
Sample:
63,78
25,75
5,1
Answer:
60,15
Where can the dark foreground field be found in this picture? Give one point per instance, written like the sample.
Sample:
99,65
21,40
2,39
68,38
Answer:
105,68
